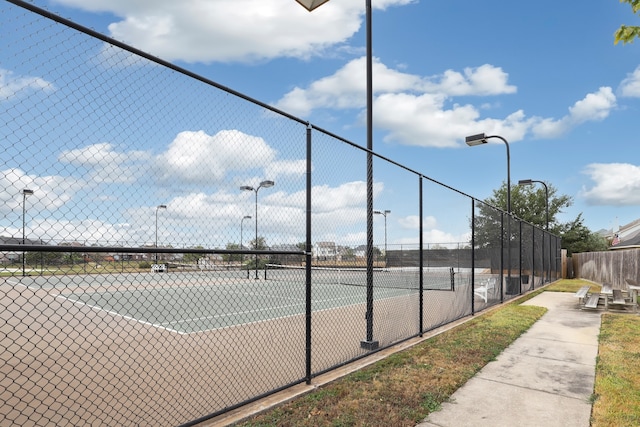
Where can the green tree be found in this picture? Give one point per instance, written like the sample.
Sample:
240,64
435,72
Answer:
628,33
576,237
193,257
232,257
46,258
349,254
529,204
261,244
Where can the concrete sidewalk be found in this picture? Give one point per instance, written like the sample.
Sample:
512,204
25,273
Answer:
544,378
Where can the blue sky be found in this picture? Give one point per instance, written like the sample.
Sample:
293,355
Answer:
546,76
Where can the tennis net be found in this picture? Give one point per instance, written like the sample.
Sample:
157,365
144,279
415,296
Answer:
394,277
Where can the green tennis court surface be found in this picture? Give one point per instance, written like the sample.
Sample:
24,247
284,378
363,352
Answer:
189,308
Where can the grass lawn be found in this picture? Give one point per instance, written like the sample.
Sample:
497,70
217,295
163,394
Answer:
617,389
404,388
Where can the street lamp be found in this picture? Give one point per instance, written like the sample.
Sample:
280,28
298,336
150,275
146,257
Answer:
241,254
384,213
25,192
546,192
479,139
310,5
156,245
263,184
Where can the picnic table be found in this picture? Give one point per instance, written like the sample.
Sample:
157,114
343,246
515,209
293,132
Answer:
608,295
634,287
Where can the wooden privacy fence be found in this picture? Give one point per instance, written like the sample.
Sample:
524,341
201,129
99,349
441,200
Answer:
608,267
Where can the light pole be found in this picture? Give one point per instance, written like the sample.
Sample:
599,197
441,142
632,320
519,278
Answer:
384,213
263,184
25,193
241,254
156,245
310,5
546,193
479,139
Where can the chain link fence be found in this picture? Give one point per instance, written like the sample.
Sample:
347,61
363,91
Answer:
171,249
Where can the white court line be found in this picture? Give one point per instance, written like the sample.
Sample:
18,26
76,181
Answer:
94,307
115,313
234,314
265,295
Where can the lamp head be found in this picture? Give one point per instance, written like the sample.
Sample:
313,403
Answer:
311,4
478,139
27,192
525,182
247,217
247,188
266,184
162,207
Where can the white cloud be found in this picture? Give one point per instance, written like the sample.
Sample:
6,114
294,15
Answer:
414,109
350,194
279,168
49,192
83,231
615,184
346,88
231,30
424,121
12,86
196,157
630,86
106,165
483,80
593,107
412,222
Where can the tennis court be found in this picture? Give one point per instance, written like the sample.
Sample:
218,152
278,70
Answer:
188,302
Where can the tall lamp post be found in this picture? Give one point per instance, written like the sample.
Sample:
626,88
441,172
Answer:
480,139
156,244
546,193
263,184
384,213
310,5
25,193
241,223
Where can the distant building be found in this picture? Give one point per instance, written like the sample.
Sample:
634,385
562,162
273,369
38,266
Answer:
325,251
626,237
